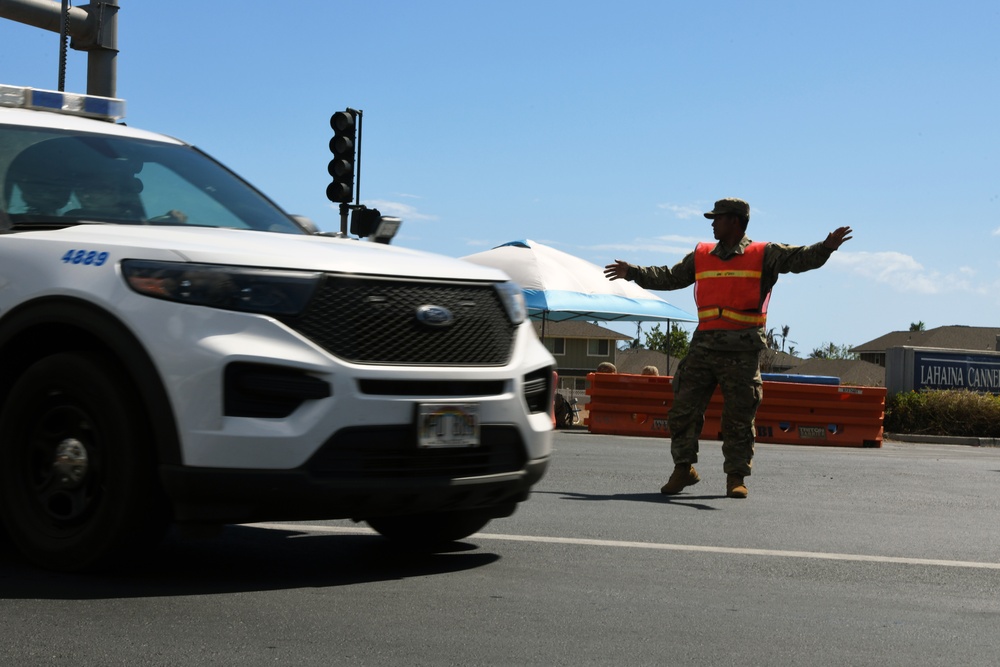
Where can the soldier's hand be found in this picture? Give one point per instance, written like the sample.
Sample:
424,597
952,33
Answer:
837,237
616,271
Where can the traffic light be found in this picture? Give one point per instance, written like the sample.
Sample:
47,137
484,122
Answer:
364,221
341,168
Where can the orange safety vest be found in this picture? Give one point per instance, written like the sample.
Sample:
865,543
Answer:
727,291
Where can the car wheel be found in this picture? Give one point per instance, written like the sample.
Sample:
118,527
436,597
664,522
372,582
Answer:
432,528
77,472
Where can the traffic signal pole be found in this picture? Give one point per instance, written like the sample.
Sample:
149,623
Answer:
345,171
345,212
345,209
342,168
93,28
357,178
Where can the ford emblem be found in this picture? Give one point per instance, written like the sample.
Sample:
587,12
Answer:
435,316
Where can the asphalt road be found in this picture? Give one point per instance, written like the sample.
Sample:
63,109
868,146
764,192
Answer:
884,556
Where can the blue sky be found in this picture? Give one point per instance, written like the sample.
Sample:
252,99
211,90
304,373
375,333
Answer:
605,129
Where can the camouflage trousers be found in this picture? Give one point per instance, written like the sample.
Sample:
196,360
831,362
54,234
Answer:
738,375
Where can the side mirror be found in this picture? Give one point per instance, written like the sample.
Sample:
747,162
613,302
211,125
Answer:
306,223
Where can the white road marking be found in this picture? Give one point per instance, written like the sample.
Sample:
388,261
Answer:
816,555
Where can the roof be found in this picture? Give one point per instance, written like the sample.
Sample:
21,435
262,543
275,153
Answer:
949,337
575,329
633,361
776,359
850,371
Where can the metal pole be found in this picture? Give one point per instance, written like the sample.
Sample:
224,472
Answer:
357,180
345,210
92,27
666,371
44,14
102,61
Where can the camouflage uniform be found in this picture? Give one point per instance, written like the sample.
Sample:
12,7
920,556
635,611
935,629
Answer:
727,358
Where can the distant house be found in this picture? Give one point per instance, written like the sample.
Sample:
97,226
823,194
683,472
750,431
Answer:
578,348
850,371
634,360
775,361
953,337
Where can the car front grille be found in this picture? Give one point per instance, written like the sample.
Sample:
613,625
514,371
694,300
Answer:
374,321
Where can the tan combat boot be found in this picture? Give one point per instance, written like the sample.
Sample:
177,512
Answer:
735,488
684,475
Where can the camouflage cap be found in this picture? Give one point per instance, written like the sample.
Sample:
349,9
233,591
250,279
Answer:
730,206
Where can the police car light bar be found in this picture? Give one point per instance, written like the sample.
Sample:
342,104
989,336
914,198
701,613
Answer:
91,106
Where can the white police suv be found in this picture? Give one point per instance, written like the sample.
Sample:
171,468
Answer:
176,348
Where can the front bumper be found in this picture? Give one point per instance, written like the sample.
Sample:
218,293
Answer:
219,495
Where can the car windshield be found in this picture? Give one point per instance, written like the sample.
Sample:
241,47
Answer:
54,178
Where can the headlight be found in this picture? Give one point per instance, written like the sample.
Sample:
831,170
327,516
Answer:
265,291
513,301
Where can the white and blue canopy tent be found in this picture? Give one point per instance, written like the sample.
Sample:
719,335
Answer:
558,286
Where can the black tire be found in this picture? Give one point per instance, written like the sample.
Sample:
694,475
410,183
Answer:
431,529
562,411
77,476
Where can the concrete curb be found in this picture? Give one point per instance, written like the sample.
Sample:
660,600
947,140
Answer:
944,439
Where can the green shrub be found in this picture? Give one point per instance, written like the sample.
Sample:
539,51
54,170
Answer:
943,412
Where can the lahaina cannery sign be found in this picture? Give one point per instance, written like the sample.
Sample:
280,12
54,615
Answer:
909,368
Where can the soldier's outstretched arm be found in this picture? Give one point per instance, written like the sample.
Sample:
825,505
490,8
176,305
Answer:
654,277
617,270
837,237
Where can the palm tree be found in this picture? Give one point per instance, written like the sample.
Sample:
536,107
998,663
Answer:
784,338
833,351
774,340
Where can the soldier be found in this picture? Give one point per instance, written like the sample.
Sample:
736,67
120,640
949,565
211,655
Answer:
44,187
733,280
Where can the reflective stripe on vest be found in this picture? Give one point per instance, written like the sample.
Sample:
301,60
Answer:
727,292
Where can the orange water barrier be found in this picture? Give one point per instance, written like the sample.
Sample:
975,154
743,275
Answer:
791,413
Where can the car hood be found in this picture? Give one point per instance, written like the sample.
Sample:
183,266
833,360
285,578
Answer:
264,249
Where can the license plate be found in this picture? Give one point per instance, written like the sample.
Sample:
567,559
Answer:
448,425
